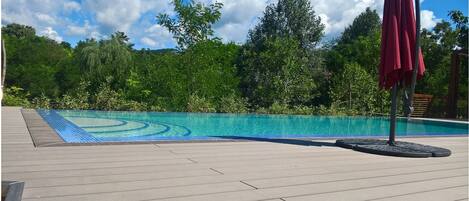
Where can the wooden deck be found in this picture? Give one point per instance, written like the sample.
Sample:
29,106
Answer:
227,170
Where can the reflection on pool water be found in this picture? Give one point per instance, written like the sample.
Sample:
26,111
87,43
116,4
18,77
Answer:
105,126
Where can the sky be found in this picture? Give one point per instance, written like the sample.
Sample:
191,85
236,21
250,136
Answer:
75,20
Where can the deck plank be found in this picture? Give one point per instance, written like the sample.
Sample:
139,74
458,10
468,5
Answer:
245,170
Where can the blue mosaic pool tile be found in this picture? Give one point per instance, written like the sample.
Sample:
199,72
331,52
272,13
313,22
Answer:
68,131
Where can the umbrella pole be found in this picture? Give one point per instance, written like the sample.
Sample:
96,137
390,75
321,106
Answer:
410,108
392,130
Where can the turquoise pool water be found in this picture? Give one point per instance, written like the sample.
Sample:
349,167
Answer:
103,126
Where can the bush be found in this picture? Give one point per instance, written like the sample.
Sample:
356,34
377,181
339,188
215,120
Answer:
279,108
331,111
77,100
262,110
42,102
15,96
130,105
157,108
233,104
199,104
106,98
355,91
302,110
275,108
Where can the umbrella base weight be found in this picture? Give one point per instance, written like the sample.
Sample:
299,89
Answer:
400,149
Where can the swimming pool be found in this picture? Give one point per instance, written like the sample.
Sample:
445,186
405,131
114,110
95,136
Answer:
83,126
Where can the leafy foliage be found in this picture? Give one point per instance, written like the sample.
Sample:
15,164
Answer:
233,104
289,18
199,104
355,90
279,70
77,98
111,57
192,23
15,96
42,102
18,31
437,46
365,24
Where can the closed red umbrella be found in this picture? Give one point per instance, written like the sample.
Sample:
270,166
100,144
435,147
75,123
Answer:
399,47
398,43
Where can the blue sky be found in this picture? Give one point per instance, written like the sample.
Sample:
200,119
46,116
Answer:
74,20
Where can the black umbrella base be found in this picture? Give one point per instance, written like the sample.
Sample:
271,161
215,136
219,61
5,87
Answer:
401,149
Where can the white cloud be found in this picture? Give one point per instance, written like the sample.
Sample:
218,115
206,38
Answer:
137,19
73,30
120,15
157,36
45,18
85,30
51,33
158,31
338,14
72,6
428,19
238,17
148,41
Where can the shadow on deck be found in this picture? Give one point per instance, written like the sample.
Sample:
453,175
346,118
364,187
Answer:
302,142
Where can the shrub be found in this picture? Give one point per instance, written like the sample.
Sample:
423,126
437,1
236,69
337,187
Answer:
303,110
157,108
131,105
15,96
332,111
262,110
106,98
356,91
199,104
42,102
77,99
279,108
233,104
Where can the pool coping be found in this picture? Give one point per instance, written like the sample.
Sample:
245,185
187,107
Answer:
43,135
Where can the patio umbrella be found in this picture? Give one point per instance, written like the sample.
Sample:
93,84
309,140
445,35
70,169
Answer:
401,58
401,65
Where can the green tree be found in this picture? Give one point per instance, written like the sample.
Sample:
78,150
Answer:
279,62
18,30
210,70
111,57
33,61
277,73
192,23
437,47
289,18
356,90
365,24
359,43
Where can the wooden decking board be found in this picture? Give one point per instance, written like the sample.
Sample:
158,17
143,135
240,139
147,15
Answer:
109,178
60,175
448,193
250,170
273,175
165,183
376,192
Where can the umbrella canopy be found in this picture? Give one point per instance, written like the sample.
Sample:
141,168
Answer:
398,39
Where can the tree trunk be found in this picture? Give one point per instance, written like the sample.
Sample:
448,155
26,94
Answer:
3,67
